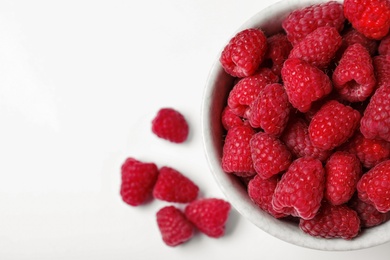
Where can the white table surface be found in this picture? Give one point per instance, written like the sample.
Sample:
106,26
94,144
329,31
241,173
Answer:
80,82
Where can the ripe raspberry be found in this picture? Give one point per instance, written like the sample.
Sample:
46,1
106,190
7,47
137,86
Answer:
369,216
333,222
236,154
319,47
354,77
243,54
174,227
261,191
170,125
370,17
384,46
374,186
382,70
209,215
304,83
342,172
270,156
333,124
138,179
295,193
271,110
230,119
301,22
351,36
173,186
247,89
278,49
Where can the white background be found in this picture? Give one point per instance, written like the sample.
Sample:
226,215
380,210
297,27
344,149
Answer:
80,82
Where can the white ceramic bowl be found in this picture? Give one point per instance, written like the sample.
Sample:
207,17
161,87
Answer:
214,100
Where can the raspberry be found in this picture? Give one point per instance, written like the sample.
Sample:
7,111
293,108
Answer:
261,191
351,36
382,70
271,110
301,22
230,119
333,222
236,154
138,180
295,193
270,156
209,215
354,77
243,54
369,17
342,172
332,125
384,46
319,47
278,49
173,186
369,216
247,89
170,125
374,186
174,227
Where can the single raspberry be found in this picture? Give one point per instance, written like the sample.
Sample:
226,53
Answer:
236,154
301,22
354,77
278,50
295,193
243,54
319,47
138,180
352,36
382,70
271,110
304,83
384,46
173,186
170,125
333,222
369,216
270,156
342,172
369,17
209,215
333,124
261,192
174,227
374,186
247,89
230,119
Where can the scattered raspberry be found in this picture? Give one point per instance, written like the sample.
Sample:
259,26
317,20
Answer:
230,119
384,46
271,110
243,54
304,83
138,179
278,50
170,125
369,17
354,77
333,124
209,215
174,227
301,22
351,36
369,216
382,70
333,222
294,194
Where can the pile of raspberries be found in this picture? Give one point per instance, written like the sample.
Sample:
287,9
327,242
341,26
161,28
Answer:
308,117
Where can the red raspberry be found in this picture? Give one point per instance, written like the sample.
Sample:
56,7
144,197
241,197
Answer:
243,54
304,83
319,47
174,227
301,22
278,50
333,222
209,215
170,125
236,154
295,193
374,186
369,216
270,156
247,89
382,70
138,179
261,191
271,110
342,172
230,119
352,36
370,17
333,124
354,77
173,186
384,46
